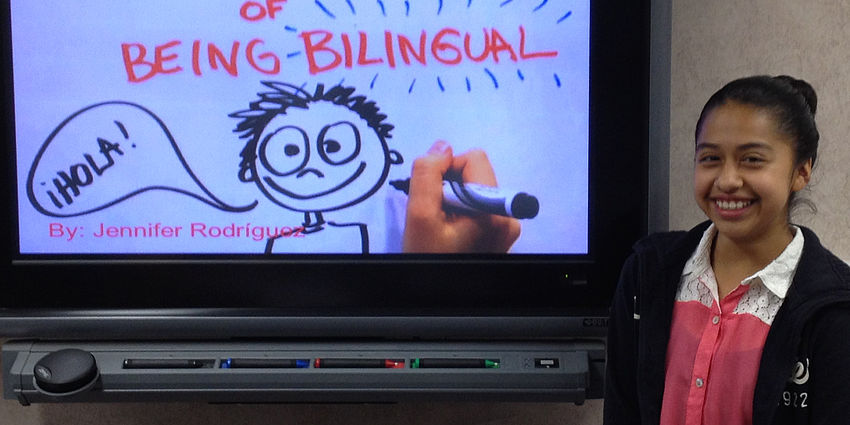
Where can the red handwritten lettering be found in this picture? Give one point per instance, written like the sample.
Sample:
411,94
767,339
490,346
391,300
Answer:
216,57
196,57
131,62
321,47
346,48
266,56
524,55
254,11
361,58
466,47
324,53
499,44
438,46
139,68
388,45
406,48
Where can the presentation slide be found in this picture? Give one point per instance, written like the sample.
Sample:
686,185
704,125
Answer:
289,126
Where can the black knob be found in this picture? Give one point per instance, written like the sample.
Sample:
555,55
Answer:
66,372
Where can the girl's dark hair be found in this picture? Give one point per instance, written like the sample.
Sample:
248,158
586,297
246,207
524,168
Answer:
792,102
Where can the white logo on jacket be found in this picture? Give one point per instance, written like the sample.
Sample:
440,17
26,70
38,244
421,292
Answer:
801,373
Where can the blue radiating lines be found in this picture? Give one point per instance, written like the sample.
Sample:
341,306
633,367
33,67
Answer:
440,83
519,74
290,29
440,7
565,16
468,86
557,80
468,3
372,84
505,2
351,6
492,77
324,9
293,54
406,8
541,5
383,8
410,89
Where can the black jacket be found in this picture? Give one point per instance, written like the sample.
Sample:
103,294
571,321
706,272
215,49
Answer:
804,376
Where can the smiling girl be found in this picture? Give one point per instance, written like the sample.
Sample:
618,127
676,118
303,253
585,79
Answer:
745,319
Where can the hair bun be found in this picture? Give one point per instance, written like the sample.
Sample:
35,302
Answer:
804,89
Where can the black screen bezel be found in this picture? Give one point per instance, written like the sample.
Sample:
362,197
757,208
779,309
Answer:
427,288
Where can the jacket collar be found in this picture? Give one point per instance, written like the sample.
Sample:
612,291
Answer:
822,280
827,281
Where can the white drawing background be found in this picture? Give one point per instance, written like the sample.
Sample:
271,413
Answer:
67,56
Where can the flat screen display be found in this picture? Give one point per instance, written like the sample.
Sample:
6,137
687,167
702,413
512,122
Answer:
239,168
288,126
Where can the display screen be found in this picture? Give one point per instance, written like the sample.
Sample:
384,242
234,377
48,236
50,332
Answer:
289,126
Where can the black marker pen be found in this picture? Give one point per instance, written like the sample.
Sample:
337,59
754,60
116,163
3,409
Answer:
477,198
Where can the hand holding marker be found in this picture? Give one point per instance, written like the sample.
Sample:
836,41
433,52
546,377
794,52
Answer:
430,225
478,198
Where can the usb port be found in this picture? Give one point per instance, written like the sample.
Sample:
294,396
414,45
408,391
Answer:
546,363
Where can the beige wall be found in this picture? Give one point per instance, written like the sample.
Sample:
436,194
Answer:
713,42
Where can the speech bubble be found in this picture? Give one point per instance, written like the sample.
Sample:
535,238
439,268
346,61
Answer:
105,154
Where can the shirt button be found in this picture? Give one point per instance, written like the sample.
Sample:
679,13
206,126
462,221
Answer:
700,382
715,320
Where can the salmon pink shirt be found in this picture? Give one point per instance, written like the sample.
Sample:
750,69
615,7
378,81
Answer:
716,344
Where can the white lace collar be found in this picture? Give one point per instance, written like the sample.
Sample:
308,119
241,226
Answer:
776,276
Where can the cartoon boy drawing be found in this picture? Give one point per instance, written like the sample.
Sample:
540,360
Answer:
315,153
